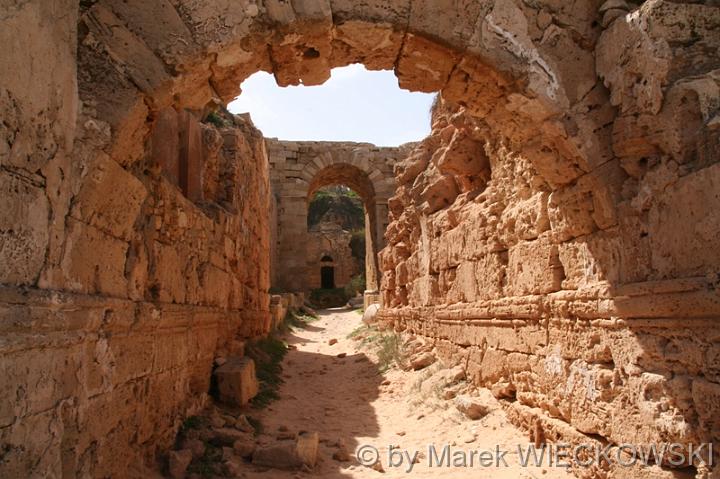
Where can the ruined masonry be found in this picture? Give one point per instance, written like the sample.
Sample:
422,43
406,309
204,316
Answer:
556,234
297,171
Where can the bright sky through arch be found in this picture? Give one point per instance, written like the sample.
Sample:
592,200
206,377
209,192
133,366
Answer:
353,105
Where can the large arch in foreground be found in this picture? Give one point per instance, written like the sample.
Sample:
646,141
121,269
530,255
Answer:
605,117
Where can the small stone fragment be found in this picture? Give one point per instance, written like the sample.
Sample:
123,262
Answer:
342,454
196,446
236,380
422,361
475,407
244,448
243,424
178,462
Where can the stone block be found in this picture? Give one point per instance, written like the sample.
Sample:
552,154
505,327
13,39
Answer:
236,380
534,268
424,65
137,61
289,454
375,46
490,275
591,259
165,141
394,13
453,21
110,199
24,234
167,276
684,225
94,261
307,448
191,156
570,213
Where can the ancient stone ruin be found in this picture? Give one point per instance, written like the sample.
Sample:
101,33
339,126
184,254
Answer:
297,171
556,235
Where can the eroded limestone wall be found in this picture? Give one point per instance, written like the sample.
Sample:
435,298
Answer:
120,281
591,306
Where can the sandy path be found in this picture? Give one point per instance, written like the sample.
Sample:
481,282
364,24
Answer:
345,399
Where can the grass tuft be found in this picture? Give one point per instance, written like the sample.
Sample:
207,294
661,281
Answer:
387,346
193,422
268,354
297,320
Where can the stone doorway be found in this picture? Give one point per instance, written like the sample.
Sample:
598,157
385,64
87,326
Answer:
327,277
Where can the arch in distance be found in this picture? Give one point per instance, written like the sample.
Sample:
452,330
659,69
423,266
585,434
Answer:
297,171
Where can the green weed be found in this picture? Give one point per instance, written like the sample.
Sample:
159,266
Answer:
268,354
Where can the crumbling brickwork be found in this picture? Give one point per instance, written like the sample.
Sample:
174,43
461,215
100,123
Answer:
588,304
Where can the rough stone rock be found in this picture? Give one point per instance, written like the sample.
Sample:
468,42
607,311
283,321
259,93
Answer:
244,447
289,454
178,462
342,454
476,406
370,313
243,424
196,446
233,468
226,436
422,360
236,380
307,448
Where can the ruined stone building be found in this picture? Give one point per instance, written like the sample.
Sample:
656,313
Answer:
297,171
329,257
556,234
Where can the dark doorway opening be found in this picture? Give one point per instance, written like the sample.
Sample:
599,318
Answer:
327,277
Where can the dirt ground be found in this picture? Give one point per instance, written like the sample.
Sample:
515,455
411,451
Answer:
347,399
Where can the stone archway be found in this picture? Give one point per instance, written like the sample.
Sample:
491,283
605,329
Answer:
617,162
298,170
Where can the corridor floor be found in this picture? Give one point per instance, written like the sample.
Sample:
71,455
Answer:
346,399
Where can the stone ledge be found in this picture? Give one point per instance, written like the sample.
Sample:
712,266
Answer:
18,308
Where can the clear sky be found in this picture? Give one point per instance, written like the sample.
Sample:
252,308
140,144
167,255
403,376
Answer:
354,105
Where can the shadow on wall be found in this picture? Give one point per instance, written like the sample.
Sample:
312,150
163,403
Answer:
589,303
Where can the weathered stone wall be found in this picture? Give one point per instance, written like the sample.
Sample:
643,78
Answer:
120,281
114,344
591,306
297,171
